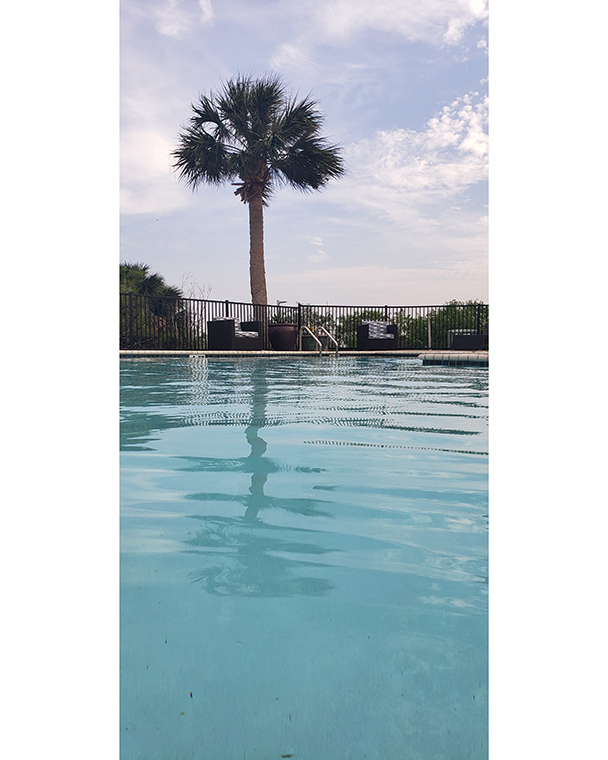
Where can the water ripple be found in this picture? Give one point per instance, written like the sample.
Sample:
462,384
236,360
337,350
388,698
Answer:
394,446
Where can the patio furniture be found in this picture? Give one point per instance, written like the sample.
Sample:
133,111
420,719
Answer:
467,340
223,334
376,336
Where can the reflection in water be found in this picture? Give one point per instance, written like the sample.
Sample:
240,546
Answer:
435,410
187,394
259,475
244,556
244,559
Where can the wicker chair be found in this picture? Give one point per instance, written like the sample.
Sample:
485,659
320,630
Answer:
467,340
224,335
376,336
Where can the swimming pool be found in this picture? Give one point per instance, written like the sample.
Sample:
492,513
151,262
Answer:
303,559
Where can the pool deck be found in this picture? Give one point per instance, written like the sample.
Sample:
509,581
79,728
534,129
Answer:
429,358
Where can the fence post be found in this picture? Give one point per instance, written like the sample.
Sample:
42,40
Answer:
478,319
299,317
226,308
130,320
428,325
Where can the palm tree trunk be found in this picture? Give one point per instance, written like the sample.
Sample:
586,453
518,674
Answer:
257,272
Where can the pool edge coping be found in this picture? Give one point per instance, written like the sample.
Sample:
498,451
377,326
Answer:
429,358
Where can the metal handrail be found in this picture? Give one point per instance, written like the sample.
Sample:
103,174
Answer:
330,336
310,332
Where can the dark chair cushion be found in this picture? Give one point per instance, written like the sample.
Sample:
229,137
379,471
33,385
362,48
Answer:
468,342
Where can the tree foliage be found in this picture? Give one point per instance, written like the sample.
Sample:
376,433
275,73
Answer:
156,315
252,131
136,278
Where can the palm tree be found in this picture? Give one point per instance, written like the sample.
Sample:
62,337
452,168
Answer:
136,278
253,132
160,311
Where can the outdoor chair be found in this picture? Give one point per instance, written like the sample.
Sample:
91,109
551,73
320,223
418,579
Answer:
467,340
223,334
376,336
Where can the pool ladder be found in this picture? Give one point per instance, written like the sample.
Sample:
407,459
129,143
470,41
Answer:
320,329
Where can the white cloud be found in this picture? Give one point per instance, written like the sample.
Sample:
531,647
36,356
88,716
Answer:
455,30
404,174
319,255
170,19
337,22
207,15
429,20
173,20
289,55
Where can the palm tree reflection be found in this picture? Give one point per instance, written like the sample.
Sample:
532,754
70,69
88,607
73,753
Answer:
259,469
244,555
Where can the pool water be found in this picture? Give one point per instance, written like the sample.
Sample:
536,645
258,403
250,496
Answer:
303,559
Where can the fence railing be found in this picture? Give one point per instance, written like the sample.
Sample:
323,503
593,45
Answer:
160,322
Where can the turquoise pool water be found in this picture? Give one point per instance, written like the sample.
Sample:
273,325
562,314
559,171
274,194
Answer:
303,560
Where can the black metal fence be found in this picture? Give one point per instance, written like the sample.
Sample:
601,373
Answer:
159,322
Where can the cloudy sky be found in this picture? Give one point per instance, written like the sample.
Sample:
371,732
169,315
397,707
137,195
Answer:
403,88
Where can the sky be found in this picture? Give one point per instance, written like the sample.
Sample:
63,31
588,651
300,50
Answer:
403,87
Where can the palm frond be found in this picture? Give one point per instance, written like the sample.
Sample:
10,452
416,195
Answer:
136,278
232,105
201,157
266,98
309,164
206,113
299,120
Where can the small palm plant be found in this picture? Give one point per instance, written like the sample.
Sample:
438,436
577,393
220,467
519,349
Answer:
156,313
136,278
253,134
